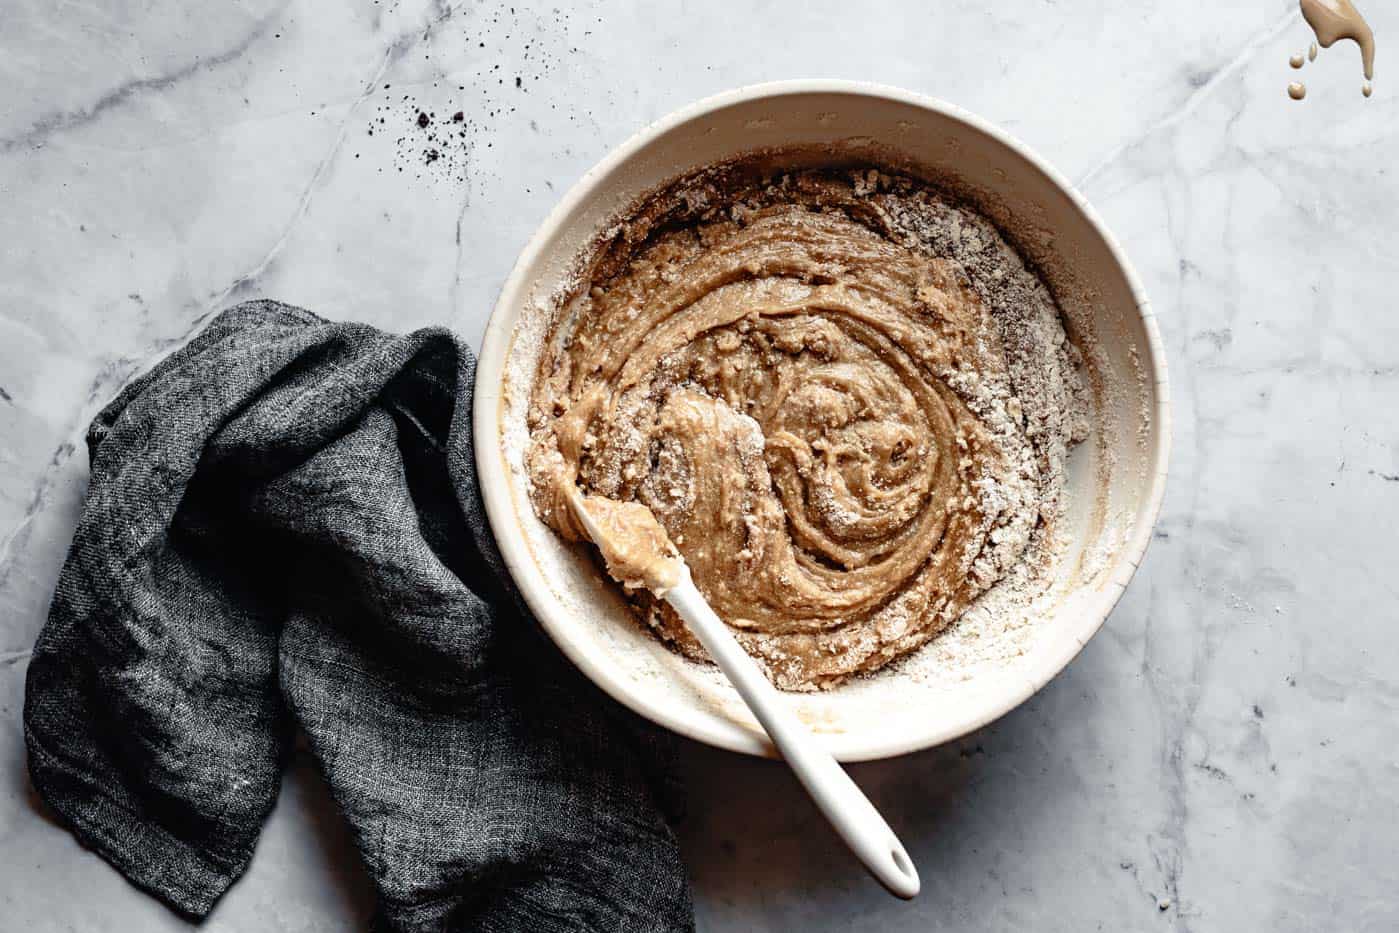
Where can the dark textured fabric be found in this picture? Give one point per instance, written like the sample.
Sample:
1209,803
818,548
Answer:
283,531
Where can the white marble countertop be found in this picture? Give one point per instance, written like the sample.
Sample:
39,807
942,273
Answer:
1223,756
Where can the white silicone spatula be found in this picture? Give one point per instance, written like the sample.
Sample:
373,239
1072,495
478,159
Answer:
835,794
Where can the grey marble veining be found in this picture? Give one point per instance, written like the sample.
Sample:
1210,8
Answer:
1223,756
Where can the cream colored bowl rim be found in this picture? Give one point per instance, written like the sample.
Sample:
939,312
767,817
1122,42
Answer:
495,483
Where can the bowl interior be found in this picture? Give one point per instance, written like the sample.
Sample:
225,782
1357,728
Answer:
1116,478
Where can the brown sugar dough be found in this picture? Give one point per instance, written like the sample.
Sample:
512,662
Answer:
819,411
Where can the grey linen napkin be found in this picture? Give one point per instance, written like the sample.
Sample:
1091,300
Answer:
283,530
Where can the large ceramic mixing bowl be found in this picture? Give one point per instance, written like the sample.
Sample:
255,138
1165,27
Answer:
1116,478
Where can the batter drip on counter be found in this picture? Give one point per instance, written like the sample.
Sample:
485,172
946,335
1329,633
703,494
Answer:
845,398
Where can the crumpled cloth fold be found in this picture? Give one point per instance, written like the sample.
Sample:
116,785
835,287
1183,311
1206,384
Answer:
283,532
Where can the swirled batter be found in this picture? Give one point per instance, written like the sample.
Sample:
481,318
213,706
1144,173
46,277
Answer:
845,399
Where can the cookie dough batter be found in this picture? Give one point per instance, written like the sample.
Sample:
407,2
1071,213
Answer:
800,379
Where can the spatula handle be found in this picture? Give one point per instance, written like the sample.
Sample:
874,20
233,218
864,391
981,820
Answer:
835,794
